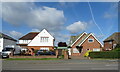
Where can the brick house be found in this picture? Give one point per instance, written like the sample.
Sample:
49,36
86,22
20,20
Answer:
37,40
111,42
83,42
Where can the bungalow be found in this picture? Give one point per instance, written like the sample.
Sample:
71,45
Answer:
83,42
111,42
37,40
6,40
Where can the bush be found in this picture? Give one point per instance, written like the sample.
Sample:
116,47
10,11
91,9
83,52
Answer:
35,51
107,54
87,53
116,49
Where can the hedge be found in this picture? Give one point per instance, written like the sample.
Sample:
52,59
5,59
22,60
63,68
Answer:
107,54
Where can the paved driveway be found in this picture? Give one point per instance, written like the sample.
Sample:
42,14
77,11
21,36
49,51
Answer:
60,65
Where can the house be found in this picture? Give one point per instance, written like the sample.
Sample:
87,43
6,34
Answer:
111,42
6,40
83,42
37,40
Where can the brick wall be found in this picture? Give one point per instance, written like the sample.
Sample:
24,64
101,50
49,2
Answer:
108,46
86,45
48,56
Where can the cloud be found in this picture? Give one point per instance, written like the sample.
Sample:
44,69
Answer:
109,15
35,30
20,13
77,27
15,34
112,11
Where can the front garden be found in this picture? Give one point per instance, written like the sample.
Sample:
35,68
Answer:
113,54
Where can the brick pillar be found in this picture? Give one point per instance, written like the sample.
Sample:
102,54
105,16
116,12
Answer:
57,53
65,54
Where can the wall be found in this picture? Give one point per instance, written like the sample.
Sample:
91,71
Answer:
108,46
86,45
8,42
1,44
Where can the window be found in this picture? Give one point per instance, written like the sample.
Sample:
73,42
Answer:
75,50
25,41
44,39
110,42
114,45
90,40
96,49
47,49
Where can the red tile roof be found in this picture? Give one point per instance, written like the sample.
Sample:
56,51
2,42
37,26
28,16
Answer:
29,36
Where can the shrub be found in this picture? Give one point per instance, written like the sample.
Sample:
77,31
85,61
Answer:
35,51
107,54
87,53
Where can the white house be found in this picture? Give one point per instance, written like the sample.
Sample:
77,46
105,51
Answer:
37,40
6,40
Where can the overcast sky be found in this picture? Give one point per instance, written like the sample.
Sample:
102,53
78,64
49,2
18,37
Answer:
61,19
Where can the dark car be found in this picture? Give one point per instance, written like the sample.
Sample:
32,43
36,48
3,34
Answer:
40,52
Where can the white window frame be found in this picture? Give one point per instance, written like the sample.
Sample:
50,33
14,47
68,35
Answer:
45,48
90,39
96,50
44,39
110,42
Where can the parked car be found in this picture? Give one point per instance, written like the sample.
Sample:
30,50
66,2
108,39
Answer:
42,52
9,50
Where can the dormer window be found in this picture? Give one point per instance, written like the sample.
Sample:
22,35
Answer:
90,40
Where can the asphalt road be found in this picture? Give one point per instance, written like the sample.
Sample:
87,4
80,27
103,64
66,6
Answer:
60,65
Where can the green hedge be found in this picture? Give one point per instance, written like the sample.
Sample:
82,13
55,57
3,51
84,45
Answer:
107,54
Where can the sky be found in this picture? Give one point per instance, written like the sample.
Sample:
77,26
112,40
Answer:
61,19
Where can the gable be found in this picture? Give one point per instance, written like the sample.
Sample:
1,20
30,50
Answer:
88,36
37,40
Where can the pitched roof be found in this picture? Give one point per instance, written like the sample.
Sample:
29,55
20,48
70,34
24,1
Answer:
29,36
6,37
115,36
84,39
73,39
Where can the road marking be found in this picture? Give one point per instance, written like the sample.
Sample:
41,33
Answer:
112,65
104,68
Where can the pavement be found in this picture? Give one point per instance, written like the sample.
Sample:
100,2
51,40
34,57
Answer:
71,64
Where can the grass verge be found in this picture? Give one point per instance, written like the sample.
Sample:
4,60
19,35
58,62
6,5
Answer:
32,59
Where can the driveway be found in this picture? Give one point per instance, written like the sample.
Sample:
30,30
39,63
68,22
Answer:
72,64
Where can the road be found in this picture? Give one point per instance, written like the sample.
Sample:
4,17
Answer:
60,64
